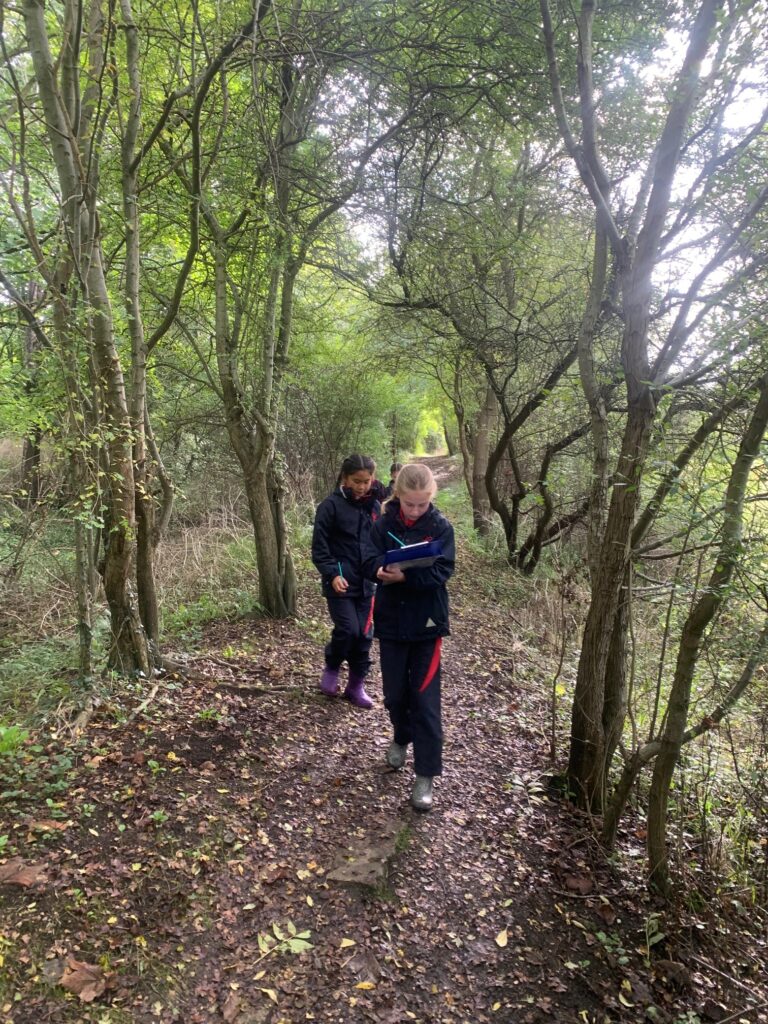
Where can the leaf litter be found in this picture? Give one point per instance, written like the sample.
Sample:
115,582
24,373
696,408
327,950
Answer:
186,873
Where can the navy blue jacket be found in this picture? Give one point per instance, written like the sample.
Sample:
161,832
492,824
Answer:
418,608
342,528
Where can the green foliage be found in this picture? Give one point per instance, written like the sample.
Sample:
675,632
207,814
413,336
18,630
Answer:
32,774
11,738
218,581
37,676
283,939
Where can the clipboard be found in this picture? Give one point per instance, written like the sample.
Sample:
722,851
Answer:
414,555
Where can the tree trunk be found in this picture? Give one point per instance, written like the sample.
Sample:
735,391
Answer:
30,466
635,260
274,596
254,447
65,114
615,699
587,764
129,650
597,408
480,503
449,442
695,626
146,539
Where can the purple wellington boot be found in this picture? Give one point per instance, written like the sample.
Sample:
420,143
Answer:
329,682
355,692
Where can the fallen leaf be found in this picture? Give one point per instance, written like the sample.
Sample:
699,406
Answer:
86,980
502,938
579,883
48,824
606,911
270,992
231,1007
345,943
16,872
366,985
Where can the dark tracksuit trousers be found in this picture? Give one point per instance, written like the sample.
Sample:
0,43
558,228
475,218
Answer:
411,681
352,633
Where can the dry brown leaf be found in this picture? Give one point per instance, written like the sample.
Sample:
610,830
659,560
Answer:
579,883
607,913
16,872
231,1007
86,980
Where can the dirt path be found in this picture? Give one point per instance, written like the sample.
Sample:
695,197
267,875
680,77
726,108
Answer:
445,468
189,860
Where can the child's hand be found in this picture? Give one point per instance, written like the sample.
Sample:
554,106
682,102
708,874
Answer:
391,574
339,584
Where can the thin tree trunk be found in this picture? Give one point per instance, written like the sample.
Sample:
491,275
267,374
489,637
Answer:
698,620
587,764
145,508
480,503
635,262
449,442
64,117
597,407
253,446
615,700
129,651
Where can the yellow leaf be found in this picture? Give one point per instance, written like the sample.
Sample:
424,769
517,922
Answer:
112,920
496,1006
270,993
624,1001
141,941
310,901
366,985
346,942
259,975
502,938
171,756
135,867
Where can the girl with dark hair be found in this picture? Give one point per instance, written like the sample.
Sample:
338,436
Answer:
342,527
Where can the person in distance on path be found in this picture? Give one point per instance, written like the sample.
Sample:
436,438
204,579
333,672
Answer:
394,469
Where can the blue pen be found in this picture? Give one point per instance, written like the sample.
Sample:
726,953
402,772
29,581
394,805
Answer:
340,572
400,542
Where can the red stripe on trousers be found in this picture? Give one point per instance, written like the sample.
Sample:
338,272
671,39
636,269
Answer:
434,665
369,620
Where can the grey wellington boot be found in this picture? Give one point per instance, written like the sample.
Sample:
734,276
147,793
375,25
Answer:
396,755
421,797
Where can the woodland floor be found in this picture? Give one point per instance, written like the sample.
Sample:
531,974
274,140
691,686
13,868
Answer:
172,874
